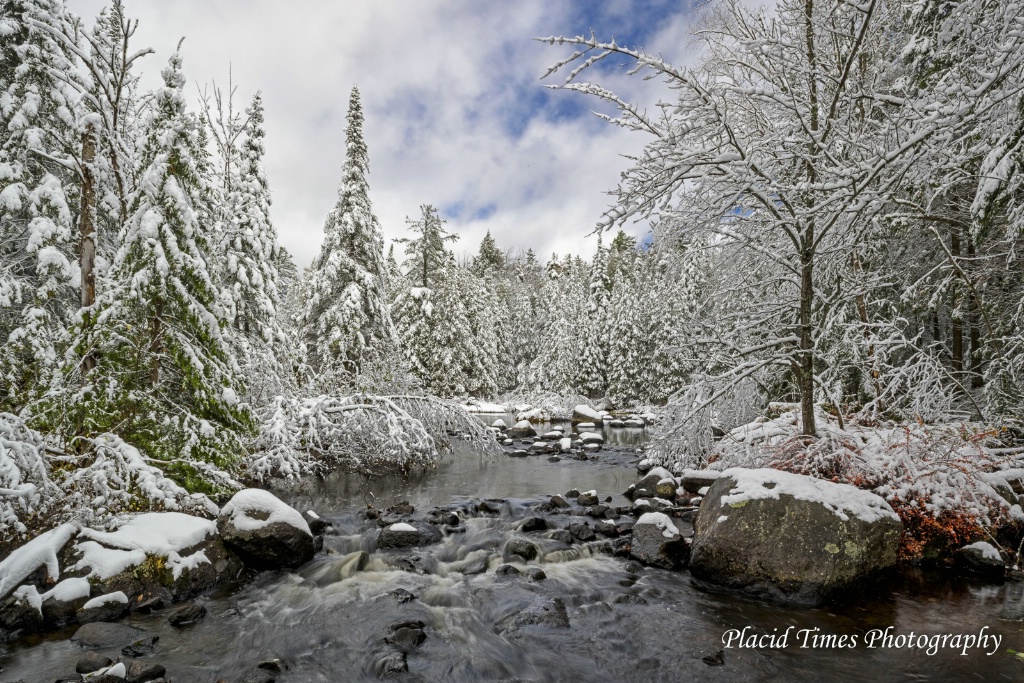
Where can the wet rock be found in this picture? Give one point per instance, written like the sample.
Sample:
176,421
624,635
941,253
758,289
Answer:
531,524
634,567
590,449
539,448
391,664
92,661
403,596
470,567
144,672
599,511
265,532
560,503
184,616
656,541
554,458
523,548
981,559
151,601
616,423
141,647
629,599
535,574
104,608
520,430
404,535
767,543
489,507
588,498
444,517
572,494
716,659
61,604
591,438
19,617
403,509
581,531
551,613
560,535
518,453
317,524
104,634
606,528
507,570
499,424
551,436
407,635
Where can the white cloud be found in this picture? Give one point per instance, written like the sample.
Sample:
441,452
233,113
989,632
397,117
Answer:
455,114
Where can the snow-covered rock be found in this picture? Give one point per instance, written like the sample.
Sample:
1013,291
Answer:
694,480
521,430
62,602
591,437
499,424
166,555
583,413
657,542
981,559
264,531
790,537
41,552
406,535
104,608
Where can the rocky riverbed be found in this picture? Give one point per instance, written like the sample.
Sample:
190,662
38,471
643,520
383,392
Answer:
511,568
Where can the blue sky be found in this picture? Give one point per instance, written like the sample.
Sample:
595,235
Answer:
456,113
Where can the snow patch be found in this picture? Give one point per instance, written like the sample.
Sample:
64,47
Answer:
40,551
660,520
986,549
69,590
117,597
402,526
265,504
165,534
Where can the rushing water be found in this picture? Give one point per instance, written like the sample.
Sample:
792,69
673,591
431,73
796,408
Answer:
330,622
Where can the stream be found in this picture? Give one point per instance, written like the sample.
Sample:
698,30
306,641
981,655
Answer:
331,621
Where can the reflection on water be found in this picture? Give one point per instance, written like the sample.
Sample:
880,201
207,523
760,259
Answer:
333,618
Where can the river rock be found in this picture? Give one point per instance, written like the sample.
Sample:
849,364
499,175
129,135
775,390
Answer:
507,570
657,542
141,647
581,531
553,435
551,613
523,548
560,535
104,634
520,430
533,524
92,661
265,532
582,413
693,481
144,672
20,614
666,489
588,438
981,559
518,453
587,498
317,524
789,537
407,635
535,574
186,615
499,424
406,535
104,608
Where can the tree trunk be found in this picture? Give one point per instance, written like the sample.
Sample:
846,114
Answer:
805,362
956,316
974,319
87,228
156,345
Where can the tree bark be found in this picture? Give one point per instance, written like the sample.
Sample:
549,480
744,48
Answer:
156,345
956,333
87,228
805,362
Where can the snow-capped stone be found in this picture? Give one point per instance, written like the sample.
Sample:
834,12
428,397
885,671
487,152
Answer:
264,531
520,430
499,424
586,425
591,437
565,444
551,436
584,413
104,608
790,537
657,542
981,559
694,480
404,535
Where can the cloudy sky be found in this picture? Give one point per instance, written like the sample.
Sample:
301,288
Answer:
456,113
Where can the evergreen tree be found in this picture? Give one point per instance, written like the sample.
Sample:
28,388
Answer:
490,260
594,380
165,378
38,188
346,314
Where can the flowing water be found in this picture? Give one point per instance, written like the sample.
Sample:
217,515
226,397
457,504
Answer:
330,622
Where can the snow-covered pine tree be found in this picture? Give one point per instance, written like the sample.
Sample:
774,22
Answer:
490,260
38,193
594,336
346,314
165,379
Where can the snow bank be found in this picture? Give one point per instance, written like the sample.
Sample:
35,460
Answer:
40,551
30,595
587,413
69,590
164,534
266,506
842,499
660,520
484,407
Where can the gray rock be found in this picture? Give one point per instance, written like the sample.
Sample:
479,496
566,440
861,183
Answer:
18,618
666,490
551,614
791,550
141,647
650,546
189,614
144,672
104,634
582,531
976,561
531,524
518,453
109,610
523,548
507,570
560,535
317,524
587,498
694,480
536,573
407,635
422,534
278,545
560,502
92,661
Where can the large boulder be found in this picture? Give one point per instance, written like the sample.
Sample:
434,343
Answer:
582,413
161,556
790,538
265,532
520,430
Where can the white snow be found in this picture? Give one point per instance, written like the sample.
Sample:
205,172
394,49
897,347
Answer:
116,597
587,425
522,424
842,499
485,407
312,514
258,500
703,490
40,551
166,534
402,526
499,424
587,412
565,443
69,590
659,472
660,520
30,595
986,549
118,671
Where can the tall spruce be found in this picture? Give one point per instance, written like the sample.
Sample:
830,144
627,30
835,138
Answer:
346,314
